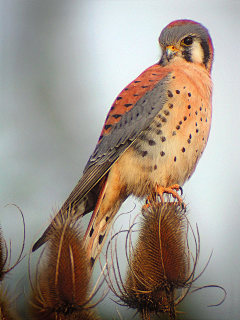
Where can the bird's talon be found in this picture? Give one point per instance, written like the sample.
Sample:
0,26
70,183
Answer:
181,189
169,190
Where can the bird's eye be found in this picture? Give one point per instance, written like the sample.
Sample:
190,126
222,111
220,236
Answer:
187,41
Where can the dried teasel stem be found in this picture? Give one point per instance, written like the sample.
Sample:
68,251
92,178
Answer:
7,303
160,262
5,255
161,267
158,265
61,288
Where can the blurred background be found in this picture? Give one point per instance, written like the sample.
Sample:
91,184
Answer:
62,63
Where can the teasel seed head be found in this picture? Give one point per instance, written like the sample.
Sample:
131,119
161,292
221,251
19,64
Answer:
61,290
159,265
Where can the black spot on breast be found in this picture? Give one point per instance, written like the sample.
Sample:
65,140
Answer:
189,141
158,125
163,139
119,98
190,136
174,133
170,94
100,239
173,77
151,142
178,127
112,108
91,232
166,112
201,118
151,80
144,153
107,218
185,118
183,149
128,105
206,120
144,87
92,260
189,94
154,74
200,108
164,119
116,116
155,167
189,106
136,95
196,124
197,130
196,113
180,122
162,153
126,89
158,132
137,81
175,159
177,92
170,106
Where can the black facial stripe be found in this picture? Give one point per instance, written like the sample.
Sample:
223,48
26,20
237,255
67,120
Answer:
162,61
187,54
206,50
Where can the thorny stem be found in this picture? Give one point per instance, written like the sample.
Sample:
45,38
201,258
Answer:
145,315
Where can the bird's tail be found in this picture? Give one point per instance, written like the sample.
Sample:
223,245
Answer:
62,214
100,224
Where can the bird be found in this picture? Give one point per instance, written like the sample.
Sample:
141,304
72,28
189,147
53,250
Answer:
153,136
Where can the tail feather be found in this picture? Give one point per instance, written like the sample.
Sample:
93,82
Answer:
100,224
97,234
43,239
77,211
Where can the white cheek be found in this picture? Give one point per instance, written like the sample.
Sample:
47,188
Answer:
197,53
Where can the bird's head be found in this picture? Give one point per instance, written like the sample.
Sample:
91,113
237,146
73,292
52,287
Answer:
188,40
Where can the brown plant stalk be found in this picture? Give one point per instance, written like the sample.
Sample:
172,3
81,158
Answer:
7,302
161,267
62,286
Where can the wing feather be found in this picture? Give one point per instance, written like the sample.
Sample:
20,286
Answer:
120,137
131,113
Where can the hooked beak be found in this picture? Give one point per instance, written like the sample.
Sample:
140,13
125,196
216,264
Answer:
171,52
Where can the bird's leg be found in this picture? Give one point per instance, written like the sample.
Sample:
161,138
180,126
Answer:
170,190
160,190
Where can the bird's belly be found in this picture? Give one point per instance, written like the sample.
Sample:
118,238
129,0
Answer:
167,152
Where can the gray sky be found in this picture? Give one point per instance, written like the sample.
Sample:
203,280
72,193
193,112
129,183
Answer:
62,65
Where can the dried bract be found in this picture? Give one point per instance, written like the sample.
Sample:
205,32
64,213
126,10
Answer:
61,289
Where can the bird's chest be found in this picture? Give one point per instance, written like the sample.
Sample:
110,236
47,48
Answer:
168,150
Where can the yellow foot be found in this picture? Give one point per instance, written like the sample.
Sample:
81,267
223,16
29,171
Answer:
160,190
170,190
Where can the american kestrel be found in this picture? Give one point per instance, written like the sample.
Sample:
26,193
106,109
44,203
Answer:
153,136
